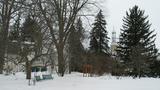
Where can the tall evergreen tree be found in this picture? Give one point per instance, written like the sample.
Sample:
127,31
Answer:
75,46
29,29
80,30
136,32
99,39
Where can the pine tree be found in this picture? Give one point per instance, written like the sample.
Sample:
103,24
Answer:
80,30
138,62
75,46
30,29
99,39
136,32
93,44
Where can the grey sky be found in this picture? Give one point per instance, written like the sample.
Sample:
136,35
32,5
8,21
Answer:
115,10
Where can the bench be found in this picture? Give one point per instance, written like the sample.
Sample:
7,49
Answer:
38,78
47,77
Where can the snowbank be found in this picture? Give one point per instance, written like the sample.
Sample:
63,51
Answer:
75,81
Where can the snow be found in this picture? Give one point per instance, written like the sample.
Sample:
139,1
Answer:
76,81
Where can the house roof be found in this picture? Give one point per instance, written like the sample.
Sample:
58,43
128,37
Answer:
14,47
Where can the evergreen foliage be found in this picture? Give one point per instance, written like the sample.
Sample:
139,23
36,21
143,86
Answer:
155,67
30,30
75,46
15,30
136,33
99,39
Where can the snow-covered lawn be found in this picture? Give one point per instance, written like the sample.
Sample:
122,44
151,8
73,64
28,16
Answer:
75,81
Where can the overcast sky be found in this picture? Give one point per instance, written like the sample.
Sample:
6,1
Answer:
115,10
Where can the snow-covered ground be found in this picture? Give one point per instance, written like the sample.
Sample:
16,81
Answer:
75,81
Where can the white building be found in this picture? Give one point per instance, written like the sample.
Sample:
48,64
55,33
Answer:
114,43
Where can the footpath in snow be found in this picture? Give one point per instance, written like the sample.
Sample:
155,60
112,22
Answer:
76,81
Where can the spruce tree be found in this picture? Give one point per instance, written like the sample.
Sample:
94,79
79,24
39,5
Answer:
75,47
136,32
30,29
99,39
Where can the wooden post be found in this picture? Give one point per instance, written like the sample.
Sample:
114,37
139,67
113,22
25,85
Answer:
87,70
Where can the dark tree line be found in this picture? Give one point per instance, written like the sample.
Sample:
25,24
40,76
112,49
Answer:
57,25
8,9
56,17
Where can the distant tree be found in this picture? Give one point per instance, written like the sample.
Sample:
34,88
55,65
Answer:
80,30
99,48
14,41
99,39
8,11
75,46
136,33
32,43
14,33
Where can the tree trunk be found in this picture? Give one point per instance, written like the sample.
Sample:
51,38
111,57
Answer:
3,45
1,63
2,55
61,61
70,69
28,70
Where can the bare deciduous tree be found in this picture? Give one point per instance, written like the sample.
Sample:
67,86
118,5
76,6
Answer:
63,13
8,10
